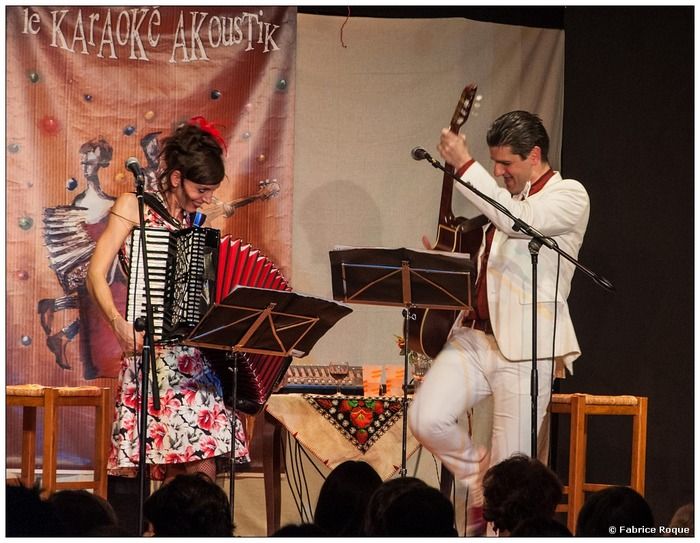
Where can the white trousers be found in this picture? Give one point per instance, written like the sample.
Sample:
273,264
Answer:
468,369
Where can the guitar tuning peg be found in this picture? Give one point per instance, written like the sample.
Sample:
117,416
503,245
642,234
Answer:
478,98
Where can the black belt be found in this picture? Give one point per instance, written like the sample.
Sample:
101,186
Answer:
478,324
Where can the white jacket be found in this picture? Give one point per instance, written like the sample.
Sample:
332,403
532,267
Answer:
559,210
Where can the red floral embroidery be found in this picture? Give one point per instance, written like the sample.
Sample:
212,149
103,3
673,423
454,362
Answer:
361,417
362,436
326,404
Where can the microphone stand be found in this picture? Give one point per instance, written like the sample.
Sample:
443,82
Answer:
538,239
148,360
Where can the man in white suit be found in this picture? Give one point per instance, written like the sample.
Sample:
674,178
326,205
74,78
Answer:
489,350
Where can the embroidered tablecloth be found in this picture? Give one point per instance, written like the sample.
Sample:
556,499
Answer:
339,428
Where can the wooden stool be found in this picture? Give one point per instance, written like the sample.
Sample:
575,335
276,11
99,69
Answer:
29,397
580,406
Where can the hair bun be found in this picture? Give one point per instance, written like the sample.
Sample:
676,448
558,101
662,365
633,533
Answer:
209,128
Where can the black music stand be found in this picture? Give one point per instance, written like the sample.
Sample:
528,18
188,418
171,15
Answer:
402,277
263,321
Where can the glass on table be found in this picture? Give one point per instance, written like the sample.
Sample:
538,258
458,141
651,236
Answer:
339,371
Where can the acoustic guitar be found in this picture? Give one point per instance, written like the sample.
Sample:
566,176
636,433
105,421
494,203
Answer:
428,332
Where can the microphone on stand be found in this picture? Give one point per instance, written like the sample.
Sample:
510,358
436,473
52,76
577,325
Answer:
132,164
418,153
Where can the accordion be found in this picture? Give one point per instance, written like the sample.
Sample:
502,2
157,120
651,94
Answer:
189,270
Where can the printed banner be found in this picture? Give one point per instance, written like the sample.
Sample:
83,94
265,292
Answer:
90,87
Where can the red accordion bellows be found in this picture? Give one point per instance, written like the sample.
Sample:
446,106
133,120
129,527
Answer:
240,264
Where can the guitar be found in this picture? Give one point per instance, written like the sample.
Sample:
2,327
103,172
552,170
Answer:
268,189
428,332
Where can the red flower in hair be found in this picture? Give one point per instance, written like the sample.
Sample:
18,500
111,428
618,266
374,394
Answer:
209,128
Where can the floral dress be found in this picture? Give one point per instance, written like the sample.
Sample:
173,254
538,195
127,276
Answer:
192,423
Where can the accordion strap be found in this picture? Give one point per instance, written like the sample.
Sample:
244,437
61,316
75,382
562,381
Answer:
152,201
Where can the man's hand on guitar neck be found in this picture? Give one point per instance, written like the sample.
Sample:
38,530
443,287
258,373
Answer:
453,148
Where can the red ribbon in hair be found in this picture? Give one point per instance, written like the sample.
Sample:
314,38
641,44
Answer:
209,128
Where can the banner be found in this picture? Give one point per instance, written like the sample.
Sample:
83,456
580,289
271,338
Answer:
89,87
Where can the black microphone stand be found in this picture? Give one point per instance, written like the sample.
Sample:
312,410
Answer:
148,355
538,239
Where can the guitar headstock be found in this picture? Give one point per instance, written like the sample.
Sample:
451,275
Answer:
464,106
268,188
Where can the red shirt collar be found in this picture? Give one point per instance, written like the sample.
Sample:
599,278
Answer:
541,182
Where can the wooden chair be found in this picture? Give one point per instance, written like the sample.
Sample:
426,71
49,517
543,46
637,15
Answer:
31,397
580,407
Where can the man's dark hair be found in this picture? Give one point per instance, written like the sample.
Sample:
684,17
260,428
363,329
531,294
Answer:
190,504
517,489
520,130
615,506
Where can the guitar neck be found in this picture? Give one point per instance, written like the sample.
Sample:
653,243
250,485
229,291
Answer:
459,117
227,209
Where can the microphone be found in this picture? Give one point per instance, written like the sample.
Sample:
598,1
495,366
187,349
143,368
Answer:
418,153
133,166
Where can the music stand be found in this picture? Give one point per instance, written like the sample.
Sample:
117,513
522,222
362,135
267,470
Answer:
402,277
263,321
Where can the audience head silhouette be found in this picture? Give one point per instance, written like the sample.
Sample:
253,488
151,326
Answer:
305,529
344,496
381,500
517,489
27,515
683,520
82,512
541,527
614,506
420,512
191,505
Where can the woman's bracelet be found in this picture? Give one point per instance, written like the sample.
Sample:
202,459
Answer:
114,317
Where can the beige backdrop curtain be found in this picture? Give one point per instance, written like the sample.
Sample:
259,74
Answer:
365,98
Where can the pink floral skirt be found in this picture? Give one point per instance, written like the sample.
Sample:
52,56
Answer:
192,423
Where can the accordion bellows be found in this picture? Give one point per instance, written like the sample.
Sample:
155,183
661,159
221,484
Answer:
191,269
240,264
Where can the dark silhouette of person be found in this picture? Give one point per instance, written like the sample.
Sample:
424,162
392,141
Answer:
27,515
541,527
189,505
381,500
420,511
618,507
682,521
305,529
517,489
82,512
343,498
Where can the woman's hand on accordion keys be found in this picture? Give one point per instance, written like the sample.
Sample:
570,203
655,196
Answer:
129,339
